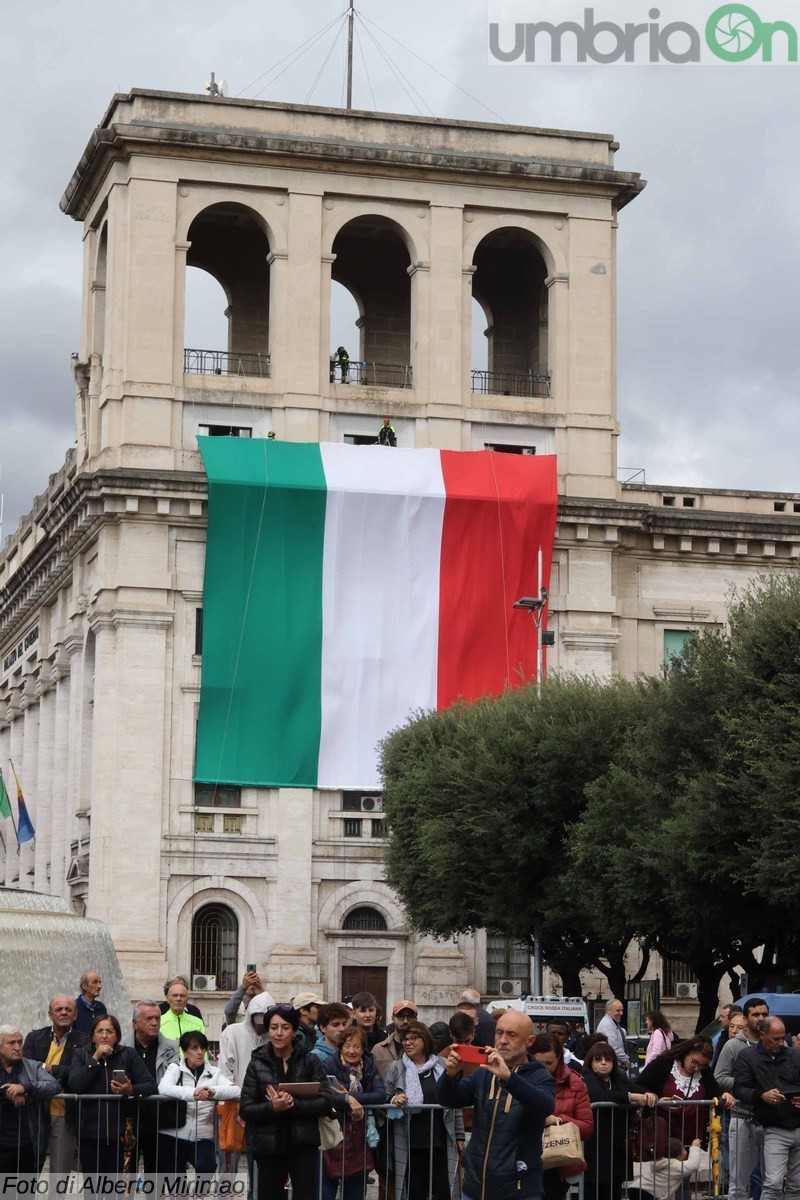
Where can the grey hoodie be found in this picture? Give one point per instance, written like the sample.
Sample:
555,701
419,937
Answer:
725,1068
238,1041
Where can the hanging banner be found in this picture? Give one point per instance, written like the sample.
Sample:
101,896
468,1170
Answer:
347,587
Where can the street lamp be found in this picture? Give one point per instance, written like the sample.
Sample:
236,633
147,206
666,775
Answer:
535,605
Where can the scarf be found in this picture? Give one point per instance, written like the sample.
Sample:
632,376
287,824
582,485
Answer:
413,1072
356,1075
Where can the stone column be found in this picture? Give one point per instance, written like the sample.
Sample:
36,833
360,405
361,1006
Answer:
293,964
441,344
59,823
128,779
44,781
73,646
9,845
279,366
302,327
179,329
14,876
27,769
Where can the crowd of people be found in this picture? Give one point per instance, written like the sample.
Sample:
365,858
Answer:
322,1095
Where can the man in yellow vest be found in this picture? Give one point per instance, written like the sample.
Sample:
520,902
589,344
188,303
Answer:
176,1020
53,1045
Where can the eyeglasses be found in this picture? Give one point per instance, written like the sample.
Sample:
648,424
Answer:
412,1037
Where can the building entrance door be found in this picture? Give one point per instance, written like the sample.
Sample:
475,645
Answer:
366,979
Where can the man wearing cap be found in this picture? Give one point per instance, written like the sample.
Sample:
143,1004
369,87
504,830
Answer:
391,1048
307,1006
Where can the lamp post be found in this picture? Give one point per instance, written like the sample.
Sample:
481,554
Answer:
535,605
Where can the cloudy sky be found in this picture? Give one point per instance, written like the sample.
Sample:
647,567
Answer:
708,254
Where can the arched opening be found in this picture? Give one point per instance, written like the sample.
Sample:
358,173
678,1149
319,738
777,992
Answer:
99,294
229,243
372,262
346,323
206,310
481,330
509,283
215,946
364,918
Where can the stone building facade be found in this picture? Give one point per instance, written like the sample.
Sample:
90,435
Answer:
101,584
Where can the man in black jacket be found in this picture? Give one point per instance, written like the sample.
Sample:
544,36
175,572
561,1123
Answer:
53,1045
768,1079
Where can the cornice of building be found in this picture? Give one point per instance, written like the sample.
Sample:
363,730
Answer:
73,519
152,123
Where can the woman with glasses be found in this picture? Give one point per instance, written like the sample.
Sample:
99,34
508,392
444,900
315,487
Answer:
606,1150
427,1142
283,1128
683,1074
106,1067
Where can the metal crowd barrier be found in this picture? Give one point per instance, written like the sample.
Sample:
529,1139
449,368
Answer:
619,1157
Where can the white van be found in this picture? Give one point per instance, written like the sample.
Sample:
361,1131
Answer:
543,1009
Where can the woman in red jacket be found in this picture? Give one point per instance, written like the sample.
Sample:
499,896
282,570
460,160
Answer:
572,1104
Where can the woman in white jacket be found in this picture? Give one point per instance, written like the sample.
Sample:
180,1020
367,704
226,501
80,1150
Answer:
200,1084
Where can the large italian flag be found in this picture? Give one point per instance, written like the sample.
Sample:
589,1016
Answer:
347,587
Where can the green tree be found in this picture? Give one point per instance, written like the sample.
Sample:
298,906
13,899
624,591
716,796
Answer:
480,800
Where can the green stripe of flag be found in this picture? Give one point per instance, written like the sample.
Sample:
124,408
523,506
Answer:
260,706
5,803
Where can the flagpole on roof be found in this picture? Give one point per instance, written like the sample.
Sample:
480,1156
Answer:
350,15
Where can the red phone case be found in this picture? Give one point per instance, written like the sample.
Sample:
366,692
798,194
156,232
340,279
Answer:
472,1054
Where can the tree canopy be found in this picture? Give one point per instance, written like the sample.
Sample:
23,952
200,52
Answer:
663,809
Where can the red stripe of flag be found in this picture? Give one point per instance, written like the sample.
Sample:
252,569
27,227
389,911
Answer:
485,645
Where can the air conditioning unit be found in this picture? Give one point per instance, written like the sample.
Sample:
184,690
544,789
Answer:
204,983
686,991
372,804
511,988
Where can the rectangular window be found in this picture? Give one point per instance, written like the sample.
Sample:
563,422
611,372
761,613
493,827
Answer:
504,448
360,439
506,959
379,829
362,802
244,431
208,795
198,631
675,973
674,641
352,827
204,822
231,824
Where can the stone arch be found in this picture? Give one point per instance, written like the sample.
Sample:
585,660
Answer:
361,895
230,241
372,260
415,240
199,202
99,279
552,249
235,895
509,280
